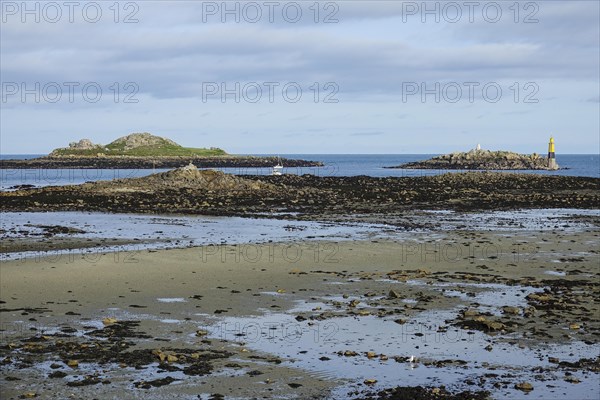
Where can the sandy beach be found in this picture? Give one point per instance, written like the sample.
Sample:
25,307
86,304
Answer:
310,319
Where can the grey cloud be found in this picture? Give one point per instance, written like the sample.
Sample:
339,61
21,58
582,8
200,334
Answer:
167,62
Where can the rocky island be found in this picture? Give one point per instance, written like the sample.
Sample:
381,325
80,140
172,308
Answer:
145,151
478,159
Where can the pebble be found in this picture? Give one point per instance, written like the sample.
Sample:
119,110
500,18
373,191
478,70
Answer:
109,321
524,386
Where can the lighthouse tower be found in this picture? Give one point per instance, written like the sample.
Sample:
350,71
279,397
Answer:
551,156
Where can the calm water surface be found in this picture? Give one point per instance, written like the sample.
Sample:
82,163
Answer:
335,165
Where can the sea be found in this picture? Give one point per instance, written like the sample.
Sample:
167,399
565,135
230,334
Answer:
587,165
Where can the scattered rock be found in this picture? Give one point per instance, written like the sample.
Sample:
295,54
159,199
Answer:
155,383
172,358
511,310
57,374
87,381
524,386
109,321
539,297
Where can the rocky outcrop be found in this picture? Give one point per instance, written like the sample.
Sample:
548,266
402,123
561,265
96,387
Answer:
144,139
482,160
84,144
189,177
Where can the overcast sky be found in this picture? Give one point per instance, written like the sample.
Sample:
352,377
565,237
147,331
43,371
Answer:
340,77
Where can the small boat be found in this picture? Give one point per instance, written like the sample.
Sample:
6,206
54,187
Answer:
277,169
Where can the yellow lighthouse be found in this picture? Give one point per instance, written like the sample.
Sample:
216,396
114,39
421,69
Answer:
551,156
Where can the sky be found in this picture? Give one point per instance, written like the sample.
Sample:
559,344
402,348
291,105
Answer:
381,77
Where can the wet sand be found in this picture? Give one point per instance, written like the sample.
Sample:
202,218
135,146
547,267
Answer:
311,319
58,246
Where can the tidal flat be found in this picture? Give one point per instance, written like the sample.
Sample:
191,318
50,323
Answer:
476,309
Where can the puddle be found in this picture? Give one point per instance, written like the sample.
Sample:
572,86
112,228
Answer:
171,321
490,297
274,293
303,306
171,300
556,273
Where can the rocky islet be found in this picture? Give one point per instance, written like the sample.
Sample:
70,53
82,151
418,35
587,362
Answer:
479,159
